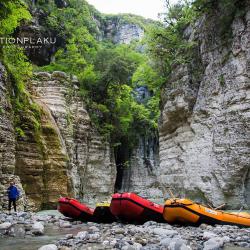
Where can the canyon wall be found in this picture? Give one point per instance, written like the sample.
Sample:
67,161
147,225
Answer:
140,176
202,151
205,122
141,169
89,159
120,31
65,157
7,142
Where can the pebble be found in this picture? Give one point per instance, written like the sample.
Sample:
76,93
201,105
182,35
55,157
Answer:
94,229
82,235
119,231
65,224
149,236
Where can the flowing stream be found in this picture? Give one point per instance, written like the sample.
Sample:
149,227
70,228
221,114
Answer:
51,235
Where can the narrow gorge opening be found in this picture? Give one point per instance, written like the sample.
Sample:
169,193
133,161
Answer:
122,156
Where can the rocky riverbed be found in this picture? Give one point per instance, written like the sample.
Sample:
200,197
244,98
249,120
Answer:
52,231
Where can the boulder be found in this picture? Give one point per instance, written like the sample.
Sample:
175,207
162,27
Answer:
82,235
37,228
48,247
208,235
213,244
5,225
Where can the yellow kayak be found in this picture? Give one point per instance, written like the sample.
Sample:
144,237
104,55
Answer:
102,213
188,212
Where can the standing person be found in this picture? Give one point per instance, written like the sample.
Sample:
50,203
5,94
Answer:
13,195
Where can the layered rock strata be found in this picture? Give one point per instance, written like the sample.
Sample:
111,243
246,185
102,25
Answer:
7,143
205,122
90,162
65,156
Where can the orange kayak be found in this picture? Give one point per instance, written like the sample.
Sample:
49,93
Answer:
188,212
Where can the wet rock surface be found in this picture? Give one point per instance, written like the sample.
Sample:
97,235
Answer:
150,235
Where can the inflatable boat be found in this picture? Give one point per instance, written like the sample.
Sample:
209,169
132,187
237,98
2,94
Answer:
74,209
188,212
129,207
102,213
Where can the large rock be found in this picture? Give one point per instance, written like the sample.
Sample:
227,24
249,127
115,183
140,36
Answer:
48,247
5,225
205,122
38,228
213,244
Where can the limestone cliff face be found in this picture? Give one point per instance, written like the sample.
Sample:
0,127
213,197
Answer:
65,157
7,142
41,164
121,32
40,55
90,163
139,173
116,29
140,176
205,125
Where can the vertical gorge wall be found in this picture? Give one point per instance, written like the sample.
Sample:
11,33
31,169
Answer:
7,140
205,122
65,157
89,161
140,173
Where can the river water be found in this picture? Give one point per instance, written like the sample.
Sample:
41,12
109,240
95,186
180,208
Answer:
52,234
33,243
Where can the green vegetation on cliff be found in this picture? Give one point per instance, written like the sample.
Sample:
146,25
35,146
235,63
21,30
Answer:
26,113
108,73
168,44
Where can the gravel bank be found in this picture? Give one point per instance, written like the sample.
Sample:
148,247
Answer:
150,235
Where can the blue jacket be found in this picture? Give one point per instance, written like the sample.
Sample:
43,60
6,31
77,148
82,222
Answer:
13,193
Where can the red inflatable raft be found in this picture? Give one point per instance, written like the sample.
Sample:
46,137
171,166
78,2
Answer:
130,207
74,209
